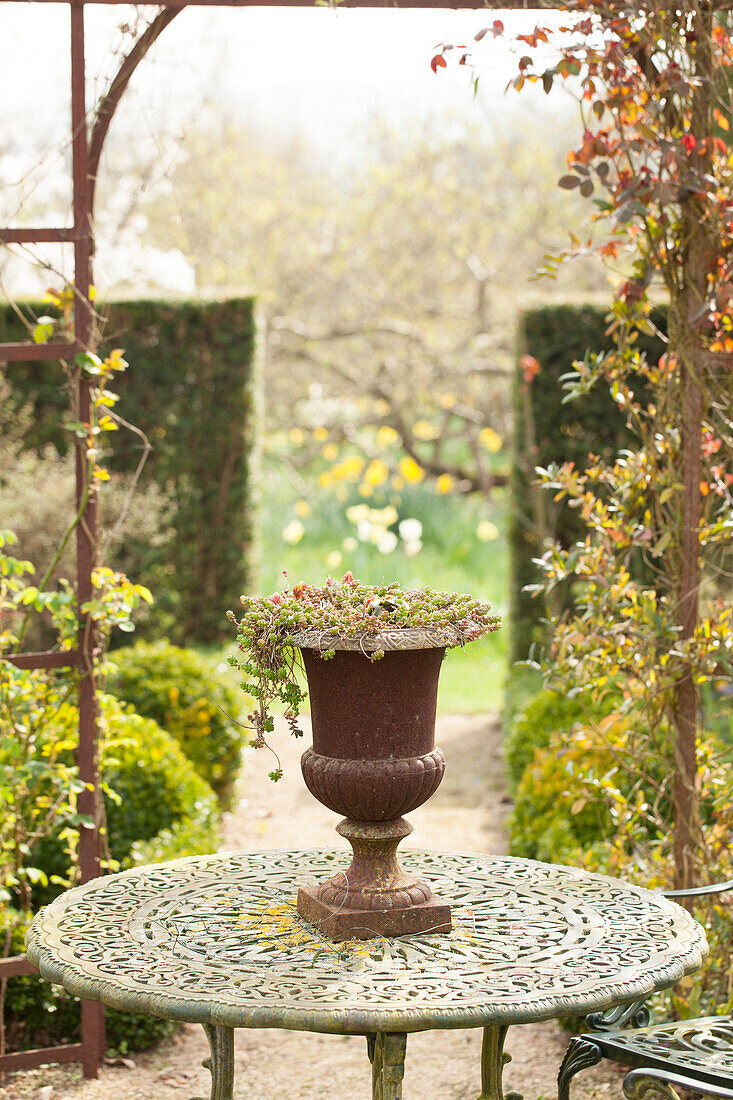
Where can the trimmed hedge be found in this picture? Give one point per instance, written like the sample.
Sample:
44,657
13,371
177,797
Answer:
157,787
192,388
533,725
545,431
185,693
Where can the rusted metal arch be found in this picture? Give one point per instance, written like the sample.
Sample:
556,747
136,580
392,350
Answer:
109,102
86,154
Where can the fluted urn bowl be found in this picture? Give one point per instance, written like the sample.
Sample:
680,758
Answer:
373,759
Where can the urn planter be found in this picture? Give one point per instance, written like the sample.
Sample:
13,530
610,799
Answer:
372,656
373,759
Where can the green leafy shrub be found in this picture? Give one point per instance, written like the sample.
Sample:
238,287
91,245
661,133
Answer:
522,684
155,795
155,786
160,809
534,723
183,692
555,818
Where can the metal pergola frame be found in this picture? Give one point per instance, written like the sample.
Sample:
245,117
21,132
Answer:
87,145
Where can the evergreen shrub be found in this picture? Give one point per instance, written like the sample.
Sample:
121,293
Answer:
551,821
546,713
157,788
161,809
546,431
191,387
184,693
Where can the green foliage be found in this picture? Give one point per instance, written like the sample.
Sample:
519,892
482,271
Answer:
155,785
191,388
534,724
547,429
153,795
39,782
187,695
523,683
157,807
599,796
575,786
549,821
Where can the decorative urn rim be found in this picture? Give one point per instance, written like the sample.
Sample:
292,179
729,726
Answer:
396,639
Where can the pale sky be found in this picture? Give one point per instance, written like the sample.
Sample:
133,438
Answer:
315,73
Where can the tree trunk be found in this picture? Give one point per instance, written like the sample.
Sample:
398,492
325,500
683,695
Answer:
690,324
685,794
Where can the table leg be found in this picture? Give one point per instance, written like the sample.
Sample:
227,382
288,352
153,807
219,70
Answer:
493,1060
387,1055
221,1062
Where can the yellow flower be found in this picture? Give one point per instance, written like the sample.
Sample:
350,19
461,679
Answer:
447,400
487,531
350,468
381,407
423,429
302,508
376,472
398,483
330,451
326,480
297,437
366,490
444,484
320,435
386,436
333,560
410,470
490,439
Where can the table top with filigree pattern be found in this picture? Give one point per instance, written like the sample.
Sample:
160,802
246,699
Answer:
217,939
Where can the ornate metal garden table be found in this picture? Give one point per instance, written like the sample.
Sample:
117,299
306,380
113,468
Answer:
217,940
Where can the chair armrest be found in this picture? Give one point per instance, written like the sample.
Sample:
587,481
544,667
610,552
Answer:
700,891
636,1014
640,1082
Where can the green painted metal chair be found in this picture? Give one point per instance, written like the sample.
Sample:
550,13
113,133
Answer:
696,1055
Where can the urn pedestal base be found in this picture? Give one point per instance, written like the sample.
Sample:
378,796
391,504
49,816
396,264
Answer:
374,897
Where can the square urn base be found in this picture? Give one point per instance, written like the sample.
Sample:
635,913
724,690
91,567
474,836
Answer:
341,923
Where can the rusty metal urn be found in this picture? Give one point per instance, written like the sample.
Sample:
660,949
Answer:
373,759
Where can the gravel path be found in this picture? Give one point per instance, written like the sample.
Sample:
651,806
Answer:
466,814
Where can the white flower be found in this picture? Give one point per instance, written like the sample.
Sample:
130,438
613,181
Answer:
357,513
387,543
349,544
333,560
386,516
487,531
412,548
363,530
410,530
293,531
